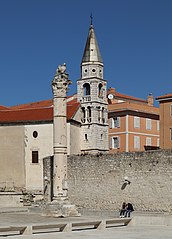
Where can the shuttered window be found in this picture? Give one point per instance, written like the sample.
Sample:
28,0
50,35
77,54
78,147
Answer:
158,125
136,122
148,124
148,141
115,142
136,142
115,122
158,143
170,134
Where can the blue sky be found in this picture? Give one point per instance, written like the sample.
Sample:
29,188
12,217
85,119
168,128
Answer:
134,36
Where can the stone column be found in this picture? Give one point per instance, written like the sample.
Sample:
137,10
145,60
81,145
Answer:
60,85
60,206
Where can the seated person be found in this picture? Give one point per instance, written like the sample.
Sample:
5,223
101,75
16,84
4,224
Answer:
123,210
129,209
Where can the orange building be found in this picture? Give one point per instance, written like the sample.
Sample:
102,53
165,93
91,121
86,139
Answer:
165,103
133,123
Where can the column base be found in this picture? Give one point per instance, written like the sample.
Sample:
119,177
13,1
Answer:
60,208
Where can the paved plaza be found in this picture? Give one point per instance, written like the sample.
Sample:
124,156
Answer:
146,230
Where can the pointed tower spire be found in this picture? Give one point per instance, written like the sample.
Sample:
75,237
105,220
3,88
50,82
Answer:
91,52
91,93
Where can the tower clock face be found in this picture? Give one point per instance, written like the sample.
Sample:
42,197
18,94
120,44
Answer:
110,96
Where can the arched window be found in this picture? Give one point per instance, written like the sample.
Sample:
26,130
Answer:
86,89
100,93
99,113
103,115
89,114
83,115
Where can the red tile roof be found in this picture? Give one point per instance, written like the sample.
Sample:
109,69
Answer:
3,107
164,97
125,106
123,96
26,115
39,104
36,111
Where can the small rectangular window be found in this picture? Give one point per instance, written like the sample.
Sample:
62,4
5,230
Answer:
136,142
170,110
115,122
136,122
148,141
115,143
158,125
34,156
158,144
148,124
86,137
171,134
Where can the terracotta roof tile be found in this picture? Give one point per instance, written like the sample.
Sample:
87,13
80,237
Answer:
26,115
123,96
36,111
39,104
133,107
166,96
3,107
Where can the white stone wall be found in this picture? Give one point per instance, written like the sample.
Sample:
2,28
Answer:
75,145
97,138
12,163
92,70
44,145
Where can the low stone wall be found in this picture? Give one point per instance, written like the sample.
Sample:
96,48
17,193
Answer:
10,199
97,182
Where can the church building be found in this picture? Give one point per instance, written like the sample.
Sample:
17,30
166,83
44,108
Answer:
98,121
26,131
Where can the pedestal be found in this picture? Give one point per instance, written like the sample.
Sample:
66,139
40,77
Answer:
60,208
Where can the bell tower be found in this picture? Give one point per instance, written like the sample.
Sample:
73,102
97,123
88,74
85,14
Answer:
91,91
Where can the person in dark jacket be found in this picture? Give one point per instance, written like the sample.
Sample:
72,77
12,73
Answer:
129,209
123,209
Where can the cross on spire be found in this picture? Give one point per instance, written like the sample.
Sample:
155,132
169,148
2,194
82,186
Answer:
91,18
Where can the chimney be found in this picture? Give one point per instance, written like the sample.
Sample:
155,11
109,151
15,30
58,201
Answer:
150,99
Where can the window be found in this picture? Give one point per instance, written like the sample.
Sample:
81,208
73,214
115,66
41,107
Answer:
136,122
86,89
34,156
100,93
89,114
99,113
171,134
158,143
148,141
86,138
83,115
101,136
35,134
148,124
136,142
115,122
115,142
103,115
158,125
170,110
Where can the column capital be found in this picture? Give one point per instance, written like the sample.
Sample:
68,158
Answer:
60,83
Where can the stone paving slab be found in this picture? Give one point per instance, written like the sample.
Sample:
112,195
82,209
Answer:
127,232
144,232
